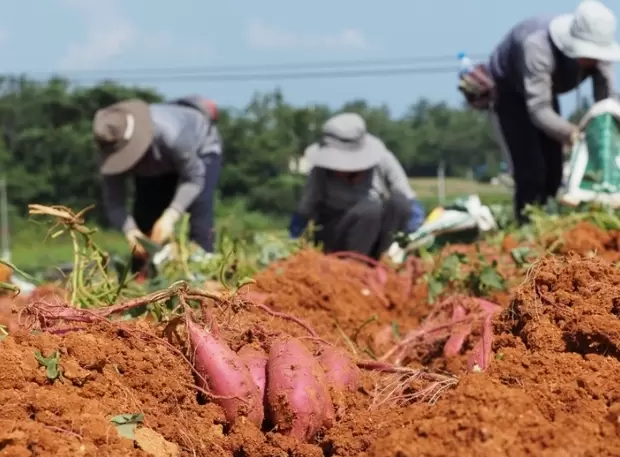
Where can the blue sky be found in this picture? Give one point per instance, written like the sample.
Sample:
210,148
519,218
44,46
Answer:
92,38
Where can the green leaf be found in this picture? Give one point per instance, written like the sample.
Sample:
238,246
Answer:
491,279
396,330
51,364
435,288
126,424
519,255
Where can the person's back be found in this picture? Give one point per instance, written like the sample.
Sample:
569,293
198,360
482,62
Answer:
503,63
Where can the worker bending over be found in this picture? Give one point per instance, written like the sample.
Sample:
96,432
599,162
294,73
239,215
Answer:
172,153
357,191
539,59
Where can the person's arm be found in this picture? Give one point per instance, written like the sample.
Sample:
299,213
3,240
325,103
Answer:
537,67
190,166
395,176
114,201
310,198
603,81
397,181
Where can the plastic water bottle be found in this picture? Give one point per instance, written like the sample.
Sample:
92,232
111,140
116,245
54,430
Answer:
466,65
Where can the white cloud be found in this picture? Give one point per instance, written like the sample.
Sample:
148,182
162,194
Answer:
109,34
264,36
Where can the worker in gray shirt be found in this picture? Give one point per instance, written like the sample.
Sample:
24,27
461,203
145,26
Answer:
172,152
539,59
357,192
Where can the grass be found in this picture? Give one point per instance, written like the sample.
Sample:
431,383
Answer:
32,250
426,188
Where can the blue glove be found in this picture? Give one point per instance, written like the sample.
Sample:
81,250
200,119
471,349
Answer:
297,226
417,216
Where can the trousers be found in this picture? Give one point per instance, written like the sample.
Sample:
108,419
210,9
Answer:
536,158
367,228
154,194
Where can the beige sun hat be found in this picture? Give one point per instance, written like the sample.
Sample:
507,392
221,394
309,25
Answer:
123,133
589,32
345,145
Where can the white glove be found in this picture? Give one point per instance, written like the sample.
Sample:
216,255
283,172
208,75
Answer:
396,253
164,227
132,237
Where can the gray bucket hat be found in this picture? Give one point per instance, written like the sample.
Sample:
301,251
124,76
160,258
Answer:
587,33
123,133
345,145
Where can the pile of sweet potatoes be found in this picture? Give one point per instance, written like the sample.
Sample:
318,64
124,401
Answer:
290,389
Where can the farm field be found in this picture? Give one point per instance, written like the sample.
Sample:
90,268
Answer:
426,188
506,347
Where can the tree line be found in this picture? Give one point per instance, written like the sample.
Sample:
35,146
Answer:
48,157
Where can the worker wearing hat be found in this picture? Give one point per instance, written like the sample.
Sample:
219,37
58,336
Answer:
357,191
172,152
539,59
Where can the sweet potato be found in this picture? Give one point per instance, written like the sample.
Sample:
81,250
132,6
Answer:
341,373
298,400
256,361
225,375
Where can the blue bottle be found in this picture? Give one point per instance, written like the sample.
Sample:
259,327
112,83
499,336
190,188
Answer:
466,65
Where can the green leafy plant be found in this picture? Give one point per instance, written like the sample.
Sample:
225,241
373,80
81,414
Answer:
53,371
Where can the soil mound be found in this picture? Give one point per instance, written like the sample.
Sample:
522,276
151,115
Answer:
552,388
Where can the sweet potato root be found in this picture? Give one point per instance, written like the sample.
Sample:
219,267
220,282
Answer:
298,400
224,374
256,361
341,373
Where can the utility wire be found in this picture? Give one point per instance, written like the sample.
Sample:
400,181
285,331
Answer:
274,76
295,66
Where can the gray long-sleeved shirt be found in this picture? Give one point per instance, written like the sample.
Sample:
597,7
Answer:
325,190
182,137
527,61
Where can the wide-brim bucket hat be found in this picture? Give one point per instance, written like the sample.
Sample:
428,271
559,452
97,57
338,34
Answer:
345,145
123,133
588,33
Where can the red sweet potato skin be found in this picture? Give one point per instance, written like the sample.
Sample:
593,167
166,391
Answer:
340,371
298,400
225,375
256,361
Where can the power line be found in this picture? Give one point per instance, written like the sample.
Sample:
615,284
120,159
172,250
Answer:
339,64
274,76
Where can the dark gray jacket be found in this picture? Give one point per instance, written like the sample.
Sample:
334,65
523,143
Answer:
183,136
527,61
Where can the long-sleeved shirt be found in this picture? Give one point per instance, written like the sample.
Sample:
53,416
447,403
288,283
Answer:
527,61
323,190
181,139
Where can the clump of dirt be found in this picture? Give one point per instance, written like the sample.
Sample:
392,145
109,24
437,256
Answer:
552,387
570,304
108,371
334,295
105,373
587,239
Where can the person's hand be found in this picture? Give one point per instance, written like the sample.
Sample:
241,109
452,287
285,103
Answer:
136,248
164,227
575,137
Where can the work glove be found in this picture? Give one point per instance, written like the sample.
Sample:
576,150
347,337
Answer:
418,214
164,227
297,225
135,246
